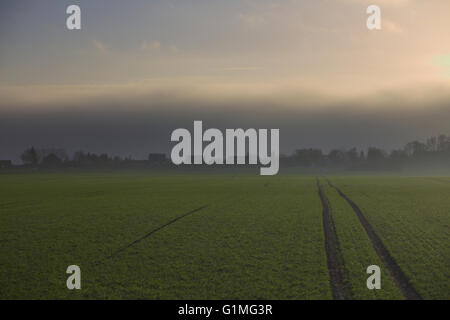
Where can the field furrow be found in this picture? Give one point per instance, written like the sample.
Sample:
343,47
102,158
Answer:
411,217
333,251
360,240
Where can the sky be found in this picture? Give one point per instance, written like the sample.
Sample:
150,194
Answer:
137,70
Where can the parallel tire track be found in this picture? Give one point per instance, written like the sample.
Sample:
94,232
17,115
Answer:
332,249
155,230
400,279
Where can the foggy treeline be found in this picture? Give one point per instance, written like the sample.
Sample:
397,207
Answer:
435,151
59,158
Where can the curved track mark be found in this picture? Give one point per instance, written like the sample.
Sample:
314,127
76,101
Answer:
157,229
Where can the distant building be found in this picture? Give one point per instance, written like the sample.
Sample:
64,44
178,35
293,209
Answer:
5,163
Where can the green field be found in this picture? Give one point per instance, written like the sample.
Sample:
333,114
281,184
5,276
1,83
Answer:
253,237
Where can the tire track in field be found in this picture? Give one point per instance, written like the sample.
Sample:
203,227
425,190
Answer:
400,279
156,230
332,249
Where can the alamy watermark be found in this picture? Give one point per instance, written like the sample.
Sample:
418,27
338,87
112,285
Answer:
237,143
74,280
374,280
374,20
73,21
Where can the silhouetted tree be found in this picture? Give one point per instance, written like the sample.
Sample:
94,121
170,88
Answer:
58,152
376,158
52,161
352,155
337,157
79,157
308,157
415,148
375,154
362,157
443,143
29,157
398,158
431,144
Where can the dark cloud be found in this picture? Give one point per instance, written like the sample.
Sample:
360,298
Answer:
144,124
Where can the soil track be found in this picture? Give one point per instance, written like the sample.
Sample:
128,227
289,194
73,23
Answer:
332,249
400,279
157,229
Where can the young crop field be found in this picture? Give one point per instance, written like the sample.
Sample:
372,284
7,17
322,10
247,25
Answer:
412,218
223,236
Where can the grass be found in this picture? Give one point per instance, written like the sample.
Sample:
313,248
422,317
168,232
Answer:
412,216
357,252
255,239
258,238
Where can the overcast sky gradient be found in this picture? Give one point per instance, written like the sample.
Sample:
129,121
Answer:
140,69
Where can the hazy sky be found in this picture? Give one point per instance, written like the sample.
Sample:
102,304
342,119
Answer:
139,69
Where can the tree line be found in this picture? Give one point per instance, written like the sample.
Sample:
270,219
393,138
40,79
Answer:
435,151
58,157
